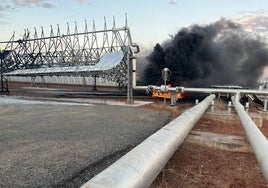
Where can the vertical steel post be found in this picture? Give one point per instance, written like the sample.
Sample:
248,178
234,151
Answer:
2,79
165,74
32,81
134,74
129,80
212,106
43,81
247,107
84,81
165,92
174,98
94,88
265,104
1,74
229,107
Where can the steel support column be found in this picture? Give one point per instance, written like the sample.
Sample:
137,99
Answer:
129,80
2,77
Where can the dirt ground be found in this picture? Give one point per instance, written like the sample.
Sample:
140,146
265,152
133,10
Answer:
196,166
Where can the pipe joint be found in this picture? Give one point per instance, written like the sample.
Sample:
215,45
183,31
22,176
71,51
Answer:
180,89
164,88
150,88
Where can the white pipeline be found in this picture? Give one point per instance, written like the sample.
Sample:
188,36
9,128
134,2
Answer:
257,140
203,90
140,166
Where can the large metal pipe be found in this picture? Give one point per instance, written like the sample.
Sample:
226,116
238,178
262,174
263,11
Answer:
204,90
140,166
222,90
256,139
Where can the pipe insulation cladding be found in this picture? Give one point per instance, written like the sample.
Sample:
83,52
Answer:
256,139
139,167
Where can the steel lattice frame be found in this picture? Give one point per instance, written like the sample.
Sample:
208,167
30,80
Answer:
70,49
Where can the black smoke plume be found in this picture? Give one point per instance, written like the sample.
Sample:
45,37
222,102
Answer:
200,56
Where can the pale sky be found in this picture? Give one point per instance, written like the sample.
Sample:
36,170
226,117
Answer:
150,21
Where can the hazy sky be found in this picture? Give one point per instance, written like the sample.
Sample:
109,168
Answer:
150,21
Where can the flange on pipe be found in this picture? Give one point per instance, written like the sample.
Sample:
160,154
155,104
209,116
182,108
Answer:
180,89
150,88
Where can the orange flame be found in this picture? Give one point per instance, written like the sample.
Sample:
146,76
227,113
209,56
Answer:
167,95
181,95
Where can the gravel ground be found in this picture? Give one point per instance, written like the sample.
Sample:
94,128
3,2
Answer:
64,145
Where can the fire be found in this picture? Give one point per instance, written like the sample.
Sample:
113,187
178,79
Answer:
167,95
180,95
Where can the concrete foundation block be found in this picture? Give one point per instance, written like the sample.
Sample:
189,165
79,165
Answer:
225,117
219,141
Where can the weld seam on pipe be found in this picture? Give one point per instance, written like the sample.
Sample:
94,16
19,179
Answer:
140,166
256,139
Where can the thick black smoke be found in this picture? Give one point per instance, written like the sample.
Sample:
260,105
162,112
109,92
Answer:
220,53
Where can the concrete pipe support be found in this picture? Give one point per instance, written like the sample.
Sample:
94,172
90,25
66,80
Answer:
140,166
256,139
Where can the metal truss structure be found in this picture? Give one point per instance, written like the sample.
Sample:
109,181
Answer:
71,50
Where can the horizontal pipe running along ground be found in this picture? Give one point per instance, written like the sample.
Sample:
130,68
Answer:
256,139
203,90
140,166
